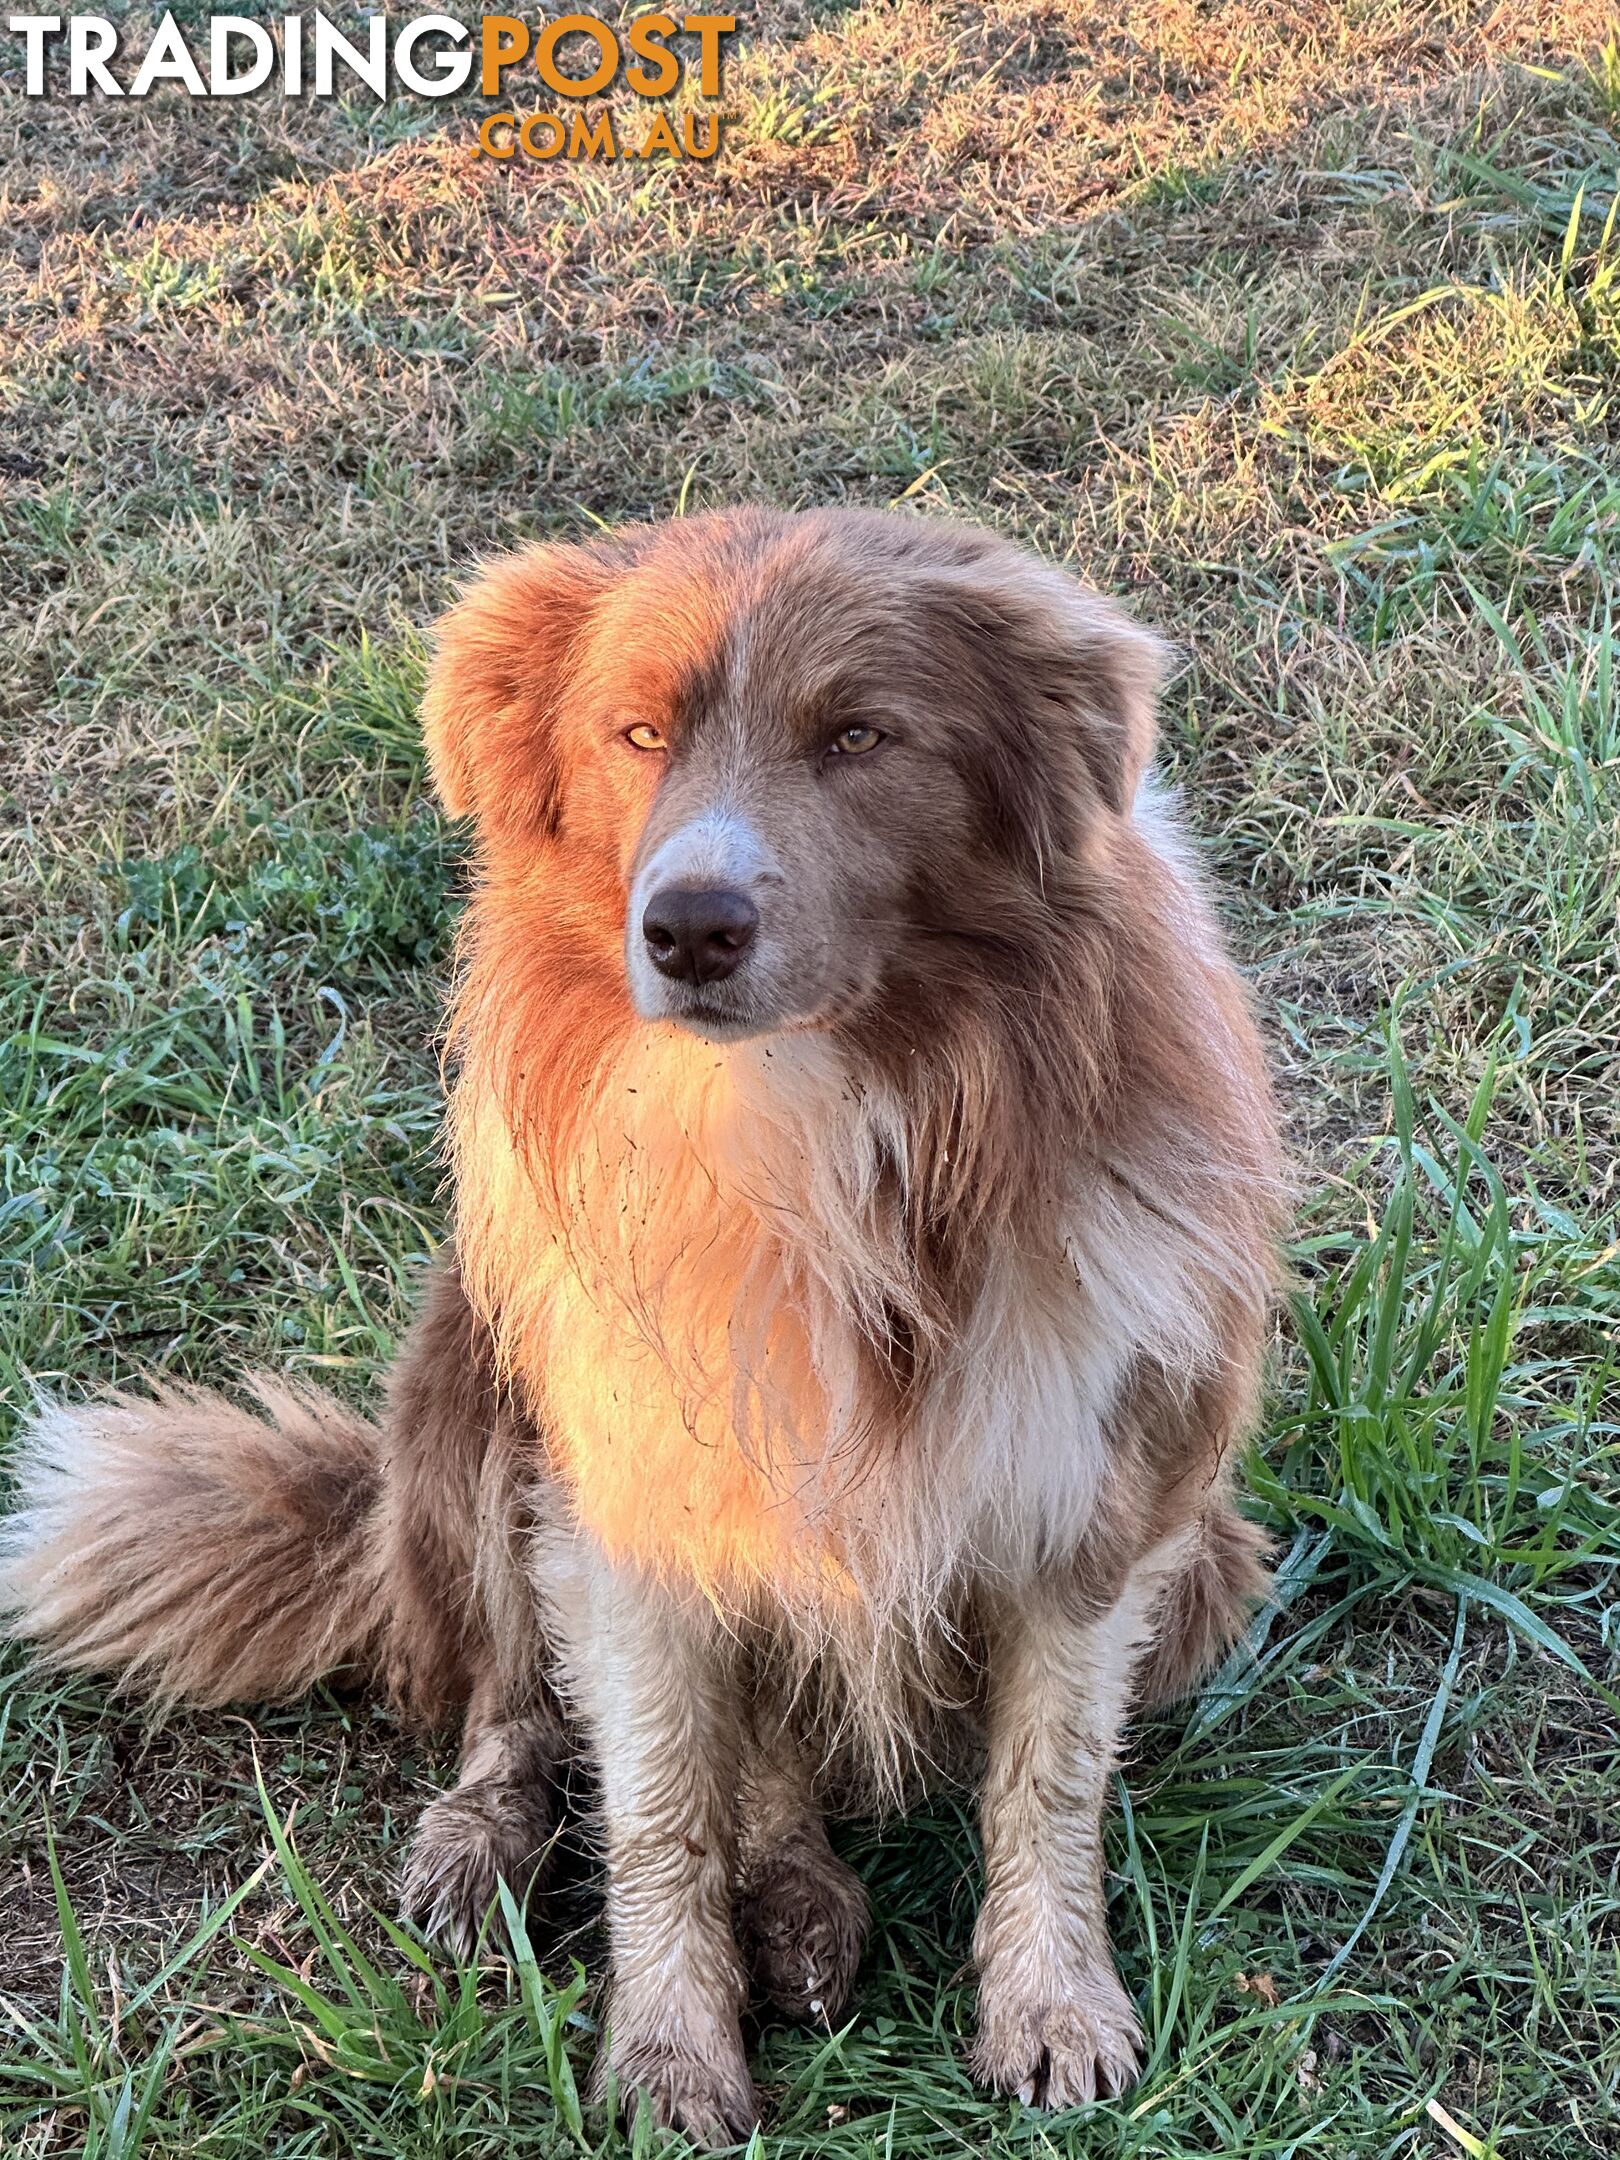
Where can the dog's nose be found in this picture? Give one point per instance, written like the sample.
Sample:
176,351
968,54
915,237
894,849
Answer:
698,936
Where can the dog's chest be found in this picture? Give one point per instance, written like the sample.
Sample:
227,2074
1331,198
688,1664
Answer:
721,1435
666,1465
685,1318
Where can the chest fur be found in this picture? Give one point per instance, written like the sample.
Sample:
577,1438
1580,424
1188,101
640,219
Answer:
686,1310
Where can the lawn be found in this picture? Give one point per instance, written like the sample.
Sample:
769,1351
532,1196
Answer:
1296,324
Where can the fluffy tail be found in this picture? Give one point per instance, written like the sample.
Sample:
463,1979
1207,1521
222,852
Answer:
1208,1605
194,1549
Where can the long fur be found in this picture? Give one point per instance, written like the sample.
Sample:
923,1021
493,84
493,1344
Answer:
874,1299
192,1548
197,1549
812,1384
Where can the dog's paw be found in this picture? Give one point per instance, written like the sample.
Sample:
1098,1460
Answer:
708,2098
804,1922
465,1843
1059,2054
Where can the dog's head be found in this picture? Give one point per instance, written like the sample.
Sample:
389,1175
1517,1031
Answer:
770,765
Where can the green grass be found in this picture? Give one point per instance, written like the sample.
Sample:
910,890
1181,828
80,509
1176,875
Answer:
1302,331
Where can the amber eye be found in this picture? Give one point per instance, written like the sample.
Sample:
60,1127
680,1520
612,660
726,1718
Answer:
644,736
854,741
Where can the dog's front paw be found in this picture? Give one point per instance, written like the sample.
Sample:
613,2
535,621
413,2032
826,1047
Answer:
1059,2051
465,1843
708,2098
804,1919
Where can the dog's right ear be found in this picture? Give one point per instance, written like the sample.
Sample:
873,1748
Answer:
500,664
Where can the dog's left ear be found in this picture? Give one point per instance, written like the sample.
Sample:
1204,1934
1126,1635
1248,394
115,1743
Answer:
1081,667
1115,667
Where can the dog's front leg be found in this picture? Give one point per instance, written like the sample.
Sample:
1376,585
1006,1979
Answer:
1055,2025
656,1687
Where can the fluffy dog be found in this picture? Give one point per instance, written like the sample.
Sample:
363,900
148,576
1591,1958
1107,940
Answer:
866,1208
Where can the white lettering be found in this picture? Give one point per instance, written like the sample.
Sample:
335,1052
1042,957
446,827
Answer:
371,66
221,29
168,60
34,30
87,62
451,68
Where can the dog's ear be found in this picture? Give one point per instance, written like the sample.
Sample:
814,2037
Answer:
500,665
1077,663
1116,666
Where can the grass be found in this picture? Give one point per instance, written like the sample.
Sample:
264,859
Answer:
1301,328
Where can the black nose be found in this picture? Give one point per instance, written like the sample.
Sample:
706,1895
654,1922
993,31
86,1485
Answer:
698,937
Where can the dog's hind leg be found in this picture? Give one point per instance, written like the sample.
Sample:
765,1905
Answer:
804,1911
498,1822
466,1480
1208,1604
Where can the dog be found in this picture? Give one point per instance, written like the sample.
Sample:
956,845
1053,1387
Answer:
867,1200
